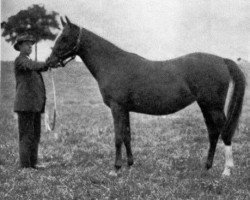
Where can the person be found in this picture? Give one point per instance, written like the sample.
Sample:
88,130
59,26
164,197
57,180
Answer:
30,99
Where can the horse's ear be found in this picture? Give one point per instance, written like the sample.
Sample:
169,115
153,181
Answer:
63,22
68,21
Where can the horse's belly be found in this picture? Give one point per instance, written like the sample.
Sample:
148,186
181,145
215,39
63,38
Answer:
155,109
161,103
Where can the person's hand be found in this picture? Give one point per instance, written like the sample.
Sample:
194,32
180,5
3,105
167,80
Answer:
52,63
50,66
57,65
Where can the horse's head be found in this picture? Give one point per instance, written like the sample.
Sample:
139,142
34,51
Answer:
66,45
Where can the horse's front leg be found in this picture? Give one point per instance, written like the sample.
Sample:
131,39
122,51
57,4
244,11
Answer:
122,133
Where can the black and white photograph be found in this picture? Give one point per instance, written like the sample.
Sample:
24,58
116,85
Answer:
125,100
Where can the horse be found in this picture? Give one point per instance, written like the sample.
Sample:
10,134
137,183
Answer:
131,83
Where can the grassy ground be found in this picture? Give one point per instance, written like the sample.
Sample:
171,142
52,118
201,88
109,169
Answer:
79,155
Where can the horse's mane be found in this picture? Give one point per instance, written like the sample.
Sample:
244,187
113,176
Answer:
102,42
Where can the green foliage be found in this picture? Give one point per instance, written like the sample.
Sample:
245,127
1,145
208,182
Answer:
35,20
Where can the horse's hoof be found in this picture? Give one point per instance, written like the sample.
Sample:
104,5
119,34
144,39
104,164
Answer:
208,165
130,162
226,172
113,173
118,167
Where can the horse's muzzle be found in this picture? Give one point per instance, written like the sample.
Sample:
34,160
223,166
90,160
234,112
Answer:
52,62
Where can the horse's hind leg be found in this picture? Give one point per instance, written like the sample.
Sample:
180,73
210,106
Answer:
122,133
228,153
215,120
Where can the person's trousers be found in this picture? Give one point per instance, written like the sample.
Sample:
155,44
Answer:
29,124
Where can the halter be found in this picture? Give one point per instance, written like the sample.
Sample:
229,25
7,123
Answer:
63,62
72,52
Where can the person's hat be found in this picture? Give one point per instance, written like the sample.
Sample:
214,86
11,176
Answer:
23,38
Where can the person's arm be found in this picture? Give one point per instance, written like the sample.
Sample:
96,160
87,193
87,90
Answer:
45,67
26,64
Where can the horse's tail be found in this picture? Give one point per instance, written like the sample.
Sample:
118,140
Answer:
236,101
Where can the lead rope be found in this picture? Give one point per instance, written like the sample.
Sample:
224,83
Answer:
54,92
51,127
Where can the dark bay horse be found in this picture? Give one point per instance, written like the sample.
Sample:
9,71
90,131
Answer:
131,83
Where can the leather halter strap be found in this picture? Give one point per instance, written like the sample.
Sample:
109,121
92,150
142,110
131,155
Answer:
74,51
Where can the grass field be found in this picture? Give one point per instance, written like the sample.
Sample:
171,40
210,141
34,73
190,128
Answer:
169,151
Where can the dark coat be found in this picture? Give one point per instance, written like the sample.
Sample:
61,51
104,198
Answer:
30,88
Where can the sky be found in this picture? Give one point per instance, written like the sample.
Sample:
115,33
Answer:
154,29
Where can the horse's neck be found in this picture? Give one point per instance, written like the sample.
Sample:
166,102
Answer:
97,53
